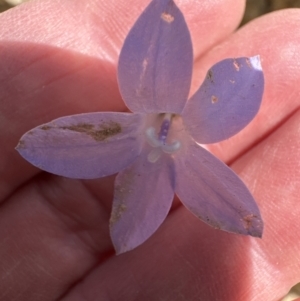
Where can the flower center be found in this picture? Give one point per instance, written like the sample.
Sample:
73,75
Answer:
159,140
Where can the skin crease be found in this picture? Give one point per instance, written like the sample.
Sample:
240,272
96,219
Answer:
54,235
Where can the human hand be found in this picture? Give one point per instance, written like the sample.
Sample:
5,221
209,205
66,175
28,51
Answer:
56,60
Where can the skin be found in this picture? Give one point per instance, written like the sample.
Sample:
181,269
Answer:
59,58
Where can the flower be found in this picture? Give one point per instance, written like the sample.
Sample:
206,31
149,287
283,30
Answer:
154,149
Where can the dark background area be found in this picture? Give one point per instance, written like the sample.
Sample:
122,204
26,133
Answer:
256,8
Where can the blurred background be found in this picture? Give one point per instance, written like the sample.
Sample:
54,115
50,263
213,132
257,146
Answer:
254,9
6,4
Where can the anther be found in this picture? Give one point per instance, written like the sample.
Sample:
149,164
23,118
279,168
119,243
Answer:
159,140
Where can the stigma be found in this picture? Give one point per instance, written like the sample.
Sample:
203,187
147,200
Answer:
159,140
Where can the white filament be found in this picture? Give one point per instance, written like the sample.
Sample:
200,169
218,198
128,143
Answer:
255,62
171,148
154,155
152,140
160,147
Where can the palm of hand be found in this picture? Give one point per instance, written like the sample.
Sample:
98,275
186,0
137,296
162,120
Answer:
54,231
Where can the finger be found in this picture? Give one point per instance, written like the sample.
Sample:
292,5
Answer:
61,60
208,22
52,232
186,258
50,73
278,46
273,176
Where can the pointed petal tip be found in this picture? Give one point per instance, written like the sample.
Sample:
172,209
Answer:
122,248
19,146
117,251
254,225
121,251
255,62
258,233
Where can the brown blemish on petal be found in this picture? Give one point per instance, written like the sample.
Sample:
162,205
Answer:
213,224
249,63
45,127
236,65
21,144
116,214
105,131
232,81
123,191
167,17
210,75
80,127
248,220
214,99
208,221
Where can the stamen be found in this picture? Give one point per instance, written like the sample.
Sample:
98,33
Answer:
154,155
152,138
171,148
164,129
159,141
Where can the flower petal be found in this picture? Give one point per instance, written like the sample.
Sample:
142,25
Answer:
215,194
227,101
142,199
155,64
84,146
